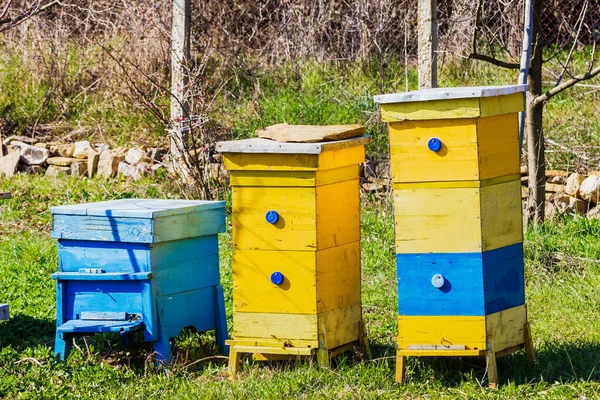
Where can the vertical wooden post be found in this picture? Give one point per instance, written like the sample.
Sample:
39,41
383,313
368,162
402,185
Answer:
180,56
428,38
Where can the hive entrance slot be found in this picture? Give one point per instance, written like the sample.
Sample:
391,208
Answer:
104,316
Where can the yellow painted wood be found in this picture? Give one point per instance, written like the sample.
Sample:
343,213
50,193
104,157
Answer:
338,277
441,330
340,326
293,178
472,149
270,162
262,342
501,215
254,292
498,142
457,184
453,108
296,228
437,220
341,157
506,329
458,220
284,328
440,353
291,351
338,214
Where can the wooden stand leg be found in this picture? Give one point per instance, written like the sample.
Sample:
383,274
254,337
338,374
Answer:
62,346
162,348
492,368
529,352
323,357
363,341
234,362
400,368
221,322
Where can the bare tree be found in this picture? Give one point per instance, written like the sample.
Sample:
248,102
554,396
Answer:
554,42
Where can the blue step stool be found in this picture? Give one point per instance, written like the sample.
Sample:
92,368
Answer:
138,265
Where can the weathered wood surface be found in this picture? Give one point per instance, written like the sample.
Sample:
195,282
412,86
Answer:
259,145
450,93
310,133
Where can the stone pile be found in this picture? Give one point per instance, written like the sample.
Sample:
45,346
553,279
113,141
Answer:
569,193
29,155
375,176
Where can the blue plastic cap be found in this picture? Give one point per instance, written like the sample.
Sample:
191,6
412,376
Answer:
434,144
272,216
277,278
438,281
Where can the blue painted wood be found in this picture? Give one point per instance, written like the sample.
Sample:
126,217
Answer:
156,263
503,278
475,284
197,221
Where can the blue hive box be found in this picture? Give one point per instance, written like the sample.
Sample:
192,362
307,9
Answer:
138,265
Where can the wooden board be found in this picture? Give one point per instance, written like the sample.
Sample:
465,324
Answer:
293,178
441,330
340,326
452,93
280,327
506,329
472,149
310,133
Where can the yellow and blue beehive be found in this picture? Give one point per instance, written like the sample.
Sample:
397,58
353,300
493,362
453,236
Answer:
296,247
455,161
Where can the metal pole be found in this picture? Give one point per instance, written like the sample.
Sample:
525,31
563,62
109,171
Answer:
525,58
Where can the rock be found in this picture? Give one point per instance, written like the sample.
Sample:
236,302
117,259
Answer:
31,169
550,210
92,160
573,184
143,169
134,156
569,204
81,149
9,163
524,192
100,148
524,170
55,170
127,170
65,150
369,169
377,185
79,168
42,145
590,189
61,161
213,171
594,213
550,173
223,173
22,139
31,155
384,170
108,163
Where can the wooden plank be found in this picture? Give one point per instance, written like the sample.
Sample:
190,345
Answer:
181,226
288,351
506,329
338,213
340,326
138,208
412,161
456,184
463,290
338,277
342,157
270,162
254,292
272,342
437,220
445,330
295,228
293,178
498,145
500,105
440,353
503,278
310,133
281,327
266,146
430,110
501,215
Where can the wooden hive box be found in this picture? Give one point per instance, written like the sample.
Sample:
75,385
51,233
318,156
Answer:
455,169
138,265
296,247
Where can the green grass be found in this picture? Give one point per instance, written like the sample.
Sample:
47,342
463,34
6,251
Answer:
562,280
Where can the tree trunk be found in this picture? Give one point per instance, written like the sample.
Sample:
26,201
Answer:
536,159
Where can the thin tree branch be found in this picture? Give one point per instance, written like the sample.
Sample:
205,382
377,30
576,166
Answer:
493,61
33,10
5,10
565,85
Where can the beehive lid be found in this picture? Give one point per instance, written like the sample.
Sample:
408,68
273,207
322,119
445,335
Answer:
449,93
309,133
259,145
138,208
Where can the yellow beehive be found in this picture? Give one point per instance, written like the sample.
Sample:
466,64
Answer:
455,169
296,247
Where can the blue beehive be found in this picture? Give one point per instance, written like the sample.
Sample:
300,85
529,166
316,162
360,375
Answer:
138,265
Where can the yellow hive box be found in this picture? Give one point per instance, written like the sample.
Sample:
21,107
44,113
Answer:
296,241
477,138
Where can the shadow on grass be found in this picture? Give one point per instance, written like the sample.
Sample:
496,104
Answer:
555,362
22,331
